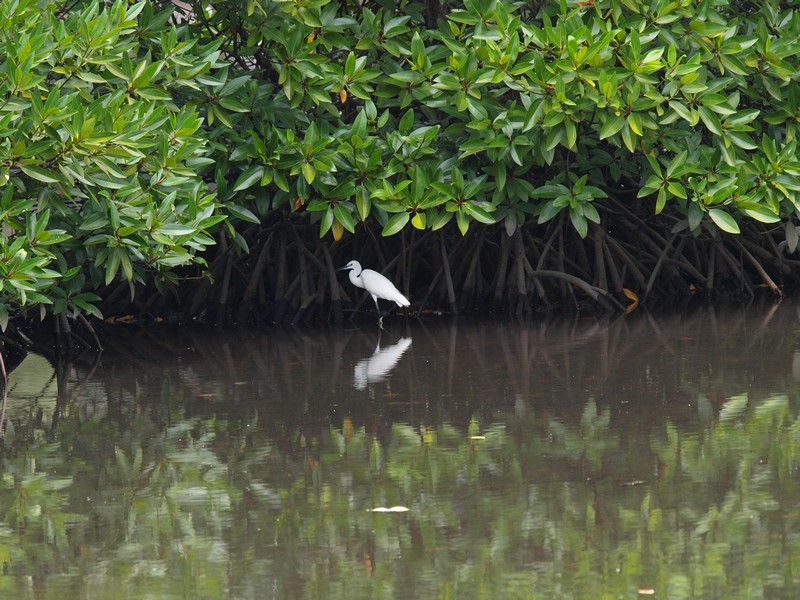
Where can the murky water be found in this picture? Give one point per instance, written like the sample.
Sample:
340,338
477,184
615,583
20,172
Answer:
642,457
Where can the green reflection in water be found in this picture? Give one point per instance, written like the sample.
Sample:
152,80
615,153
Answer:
527,508
136,497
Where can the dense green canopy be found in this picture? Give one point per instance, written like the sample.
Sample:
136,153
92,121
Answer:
133,136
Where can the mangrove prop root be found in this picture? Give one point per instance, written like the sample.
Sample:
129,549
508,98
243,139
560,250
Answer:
255,276
599,263
448,279
222,304
82,320
659,264
500,277
594,292
522,291
616,279
712,257
760,270
485,270
336,300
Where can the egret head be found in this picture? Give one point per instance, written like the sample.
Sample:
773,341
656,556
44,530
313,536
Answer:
353,265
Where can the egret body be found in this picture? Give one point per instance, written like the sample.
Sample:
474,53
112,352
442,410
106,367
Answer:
376,285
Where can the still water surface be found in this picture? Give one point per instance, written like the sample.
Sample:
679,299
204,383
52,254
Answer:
633,458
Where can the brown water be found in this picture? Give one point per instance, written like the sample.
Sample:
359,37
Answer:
639,457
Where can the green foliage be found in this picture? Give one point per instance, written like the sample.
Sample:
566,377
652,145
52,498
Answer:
132,132
100,150
375,114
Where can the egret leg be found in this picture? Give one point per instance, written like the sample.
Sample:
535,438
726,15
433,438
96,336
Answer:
378,310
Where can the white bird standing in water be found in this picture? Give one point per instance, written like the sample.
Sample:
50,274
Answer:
376,285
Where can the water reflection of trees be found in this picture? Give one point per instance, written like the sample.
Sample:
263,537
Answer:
563,458
454,371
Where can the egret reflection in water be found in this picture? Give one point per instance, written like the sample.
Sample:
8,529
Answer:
375,368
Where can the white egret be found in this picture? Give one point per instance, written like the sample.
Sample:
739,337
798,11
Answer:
376,285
